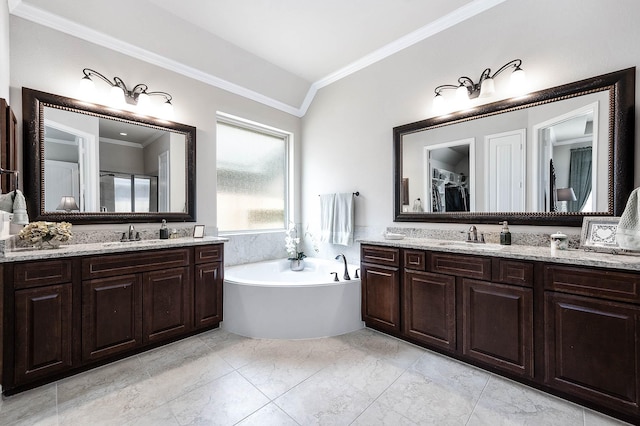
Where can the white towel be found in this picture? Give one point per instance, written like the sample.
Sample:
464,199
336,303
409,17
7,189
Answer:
14,202
337,218
628,232
20,216
343,219
327,203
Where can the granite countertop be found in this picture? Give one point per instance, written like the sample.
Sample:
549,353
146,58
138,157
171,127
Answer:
21,254
626,260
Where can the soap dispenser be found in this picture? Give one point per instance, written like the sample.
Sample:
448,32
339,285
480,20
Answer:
505,235
164,231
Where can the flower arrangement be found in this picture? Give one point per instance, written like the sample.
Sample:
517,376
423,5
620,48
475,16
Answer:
292,243
46,232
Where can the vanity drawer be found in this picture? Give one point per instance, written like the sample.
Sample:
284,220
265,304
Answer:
212,253
513,272
380,255
615,285
461,265
414,259
40,273
134,262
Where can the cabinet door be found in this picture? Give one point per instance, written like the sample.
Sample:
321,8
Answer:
429,308
208,294
498,325
592,349
111,316
381,297
166,304
43,331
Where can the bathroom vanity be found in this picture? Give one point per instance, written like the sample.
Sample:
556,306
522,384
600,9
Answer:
568,325
84,305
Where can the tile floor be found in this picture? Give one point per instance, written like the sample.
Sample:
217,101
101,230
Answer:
361,378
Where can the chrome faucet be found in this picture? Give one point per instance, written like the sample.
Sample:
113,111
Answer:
346,271
132,231
473,232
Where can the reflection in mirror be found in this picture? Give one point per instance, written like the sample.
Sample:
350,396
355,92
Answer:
570,142
111,166
117,166
501,156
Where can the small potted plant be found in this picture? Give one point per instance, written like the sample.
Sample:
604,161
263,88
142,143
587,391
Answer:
292,244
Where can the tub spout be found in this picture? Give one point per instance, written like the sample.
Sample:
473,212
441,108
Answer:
346,271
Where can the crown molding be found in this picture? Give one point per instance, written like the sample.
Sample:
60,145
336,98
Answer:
42,17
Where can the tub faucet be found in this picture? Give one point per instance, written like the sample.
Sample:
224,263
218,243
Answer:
346,271
132,231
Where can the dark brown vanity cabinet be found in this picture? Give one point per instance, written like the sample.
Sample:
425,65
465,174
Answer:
68,314
478,307
570,330
42,304
111,315
592,335
428,303
132,299
208,283
380,271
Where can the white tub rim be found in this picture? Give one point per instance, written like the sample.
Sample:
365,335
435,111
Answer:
299,275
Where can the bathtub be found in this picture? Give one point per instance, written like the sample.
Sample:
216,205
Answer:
268,300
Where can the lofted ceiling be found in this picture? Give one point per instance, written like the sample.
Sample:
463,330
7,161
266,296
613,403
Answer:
277,52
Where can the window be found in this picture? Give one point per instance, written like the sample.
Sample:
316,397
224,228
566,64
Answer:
253,176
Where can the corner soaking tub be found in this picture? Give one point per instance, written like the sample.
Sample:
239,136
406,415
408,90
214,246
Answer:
268,300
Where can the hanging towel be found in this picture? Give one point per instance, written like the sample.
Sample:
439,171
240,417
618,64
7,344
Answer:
343,218
337,218
628,232
14,202
327,203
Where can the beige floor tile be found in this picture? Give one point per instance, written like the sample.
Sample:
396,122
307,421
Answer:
504,402
379,415
33,407
361,378
269,415
161,416
224,401
436,390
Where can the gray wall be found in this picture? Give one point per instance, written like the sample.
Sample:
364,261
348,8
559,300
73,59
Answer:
50,61
348,128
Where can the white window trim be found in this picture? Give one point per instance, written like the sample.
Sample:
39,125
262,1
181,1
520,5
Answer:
222,117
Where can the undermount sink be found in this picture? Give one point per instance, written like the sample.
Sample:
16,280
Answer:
130,243
475,246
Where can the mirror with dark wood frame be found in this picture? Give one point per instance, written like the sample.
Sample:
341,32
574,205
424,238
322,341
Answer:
118,166
547,158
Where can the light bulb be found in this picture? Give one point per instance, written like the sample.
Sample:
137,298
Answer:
462,94
438,103
87,88
116,97
144,103
166,110
518,81
487,88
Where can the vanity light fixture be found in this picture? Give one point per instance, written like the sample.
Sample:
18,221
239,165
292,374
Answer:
120,95
467,89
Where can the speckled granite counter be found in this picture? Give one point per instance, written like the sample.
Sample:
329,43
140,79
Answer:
624,261
21,254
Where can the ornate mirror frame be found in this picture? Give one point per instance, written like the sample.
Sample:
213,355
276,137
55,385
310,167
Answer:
621,87
33,104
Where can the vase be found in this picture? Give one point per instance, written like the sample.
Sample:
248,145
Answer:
297,264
